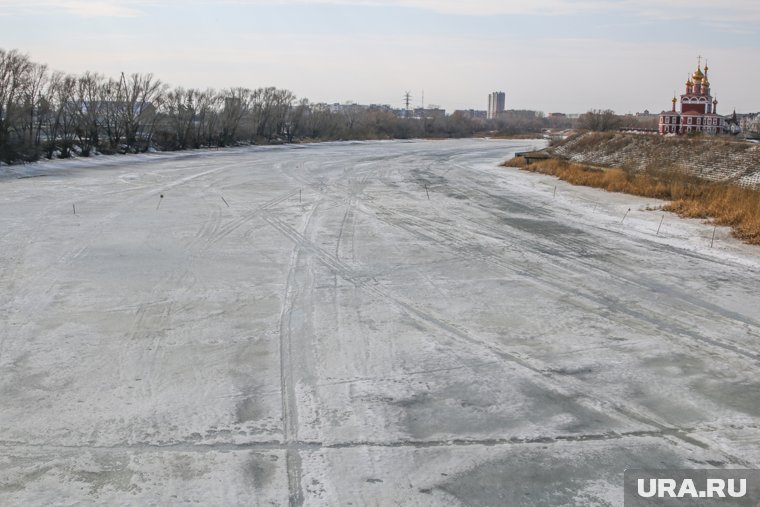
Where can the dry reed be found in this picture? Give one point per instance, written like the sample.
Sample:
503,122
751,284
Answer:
692,197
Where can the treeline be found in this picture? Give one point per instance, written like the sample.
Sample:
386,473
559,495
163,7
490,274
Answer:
46,113
607,121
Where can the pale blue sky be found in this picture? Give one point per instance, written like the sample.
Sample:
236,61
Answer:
551,55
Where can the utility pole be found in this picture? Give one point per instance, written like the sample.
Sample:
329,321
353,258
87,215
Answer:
424,116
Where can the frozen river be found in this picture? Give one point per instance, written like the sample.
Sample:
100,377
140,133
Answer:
388,323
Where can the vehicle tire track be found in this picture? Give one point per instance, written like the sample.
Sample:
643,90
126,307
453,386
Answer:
444,235
289,321
539,372
627,278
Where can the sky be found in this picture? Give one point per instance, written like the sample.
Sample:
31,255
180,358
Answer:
548,55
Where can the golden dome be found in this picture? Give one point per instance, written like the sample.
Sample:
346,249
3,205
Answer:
698,76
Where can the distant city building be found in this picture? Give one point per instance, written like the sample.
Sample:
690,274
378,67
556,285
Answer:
750,125
347,107
699,111
733,125
520,114
497,102
472,113
380,107
428,112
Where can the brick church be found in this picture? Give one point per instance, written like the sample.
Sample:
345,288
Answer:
699,110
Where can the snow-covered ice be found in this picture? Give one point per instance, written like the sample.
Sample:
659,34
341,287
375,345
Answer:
305,325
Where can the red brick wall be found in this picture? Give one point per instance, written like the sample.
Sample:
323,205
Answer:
699,108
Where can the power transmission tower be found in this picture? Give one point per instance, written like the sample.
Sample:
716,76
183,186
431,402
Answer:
407,101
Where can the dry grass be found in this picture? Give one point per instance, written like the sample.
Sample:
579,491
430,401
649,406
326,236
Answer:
691,197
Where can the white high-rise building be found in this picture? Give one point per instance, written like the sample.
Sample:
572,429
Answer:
496,104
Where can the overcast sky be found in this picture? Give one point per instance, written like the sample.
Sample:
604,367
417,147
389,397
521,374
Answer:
549,55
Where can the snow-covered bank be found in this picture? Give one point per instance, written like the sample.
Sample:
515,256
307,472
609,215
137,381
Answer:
709,157
609,210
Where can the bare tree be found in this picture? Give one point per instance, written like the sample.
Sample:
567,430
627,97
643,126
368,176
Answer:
206,125
320,123
281,104
270,109
87,96
295,118
143,97
260,111
14,68
180,111
34,98
110,108
598,120
352,115
61,123
237,102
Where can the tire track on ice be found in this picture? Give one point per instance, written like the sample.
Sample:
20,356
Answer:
622,274
350,215
537,371
243,218
571,244
287,390
452,238
287,378
92,232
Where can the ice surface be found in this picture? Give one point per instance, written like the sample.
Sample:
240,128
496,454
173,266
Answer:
304,325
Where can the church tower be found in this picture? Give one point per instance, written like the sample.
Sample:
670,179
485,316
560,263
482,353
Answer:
698,111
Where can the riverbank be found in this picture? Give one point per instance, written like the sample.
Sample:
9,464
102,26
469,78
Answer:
710,158
722,202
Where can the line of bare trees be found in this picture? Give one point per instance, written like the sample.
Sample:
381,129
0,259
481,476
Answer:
606,120
48,113
45,113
